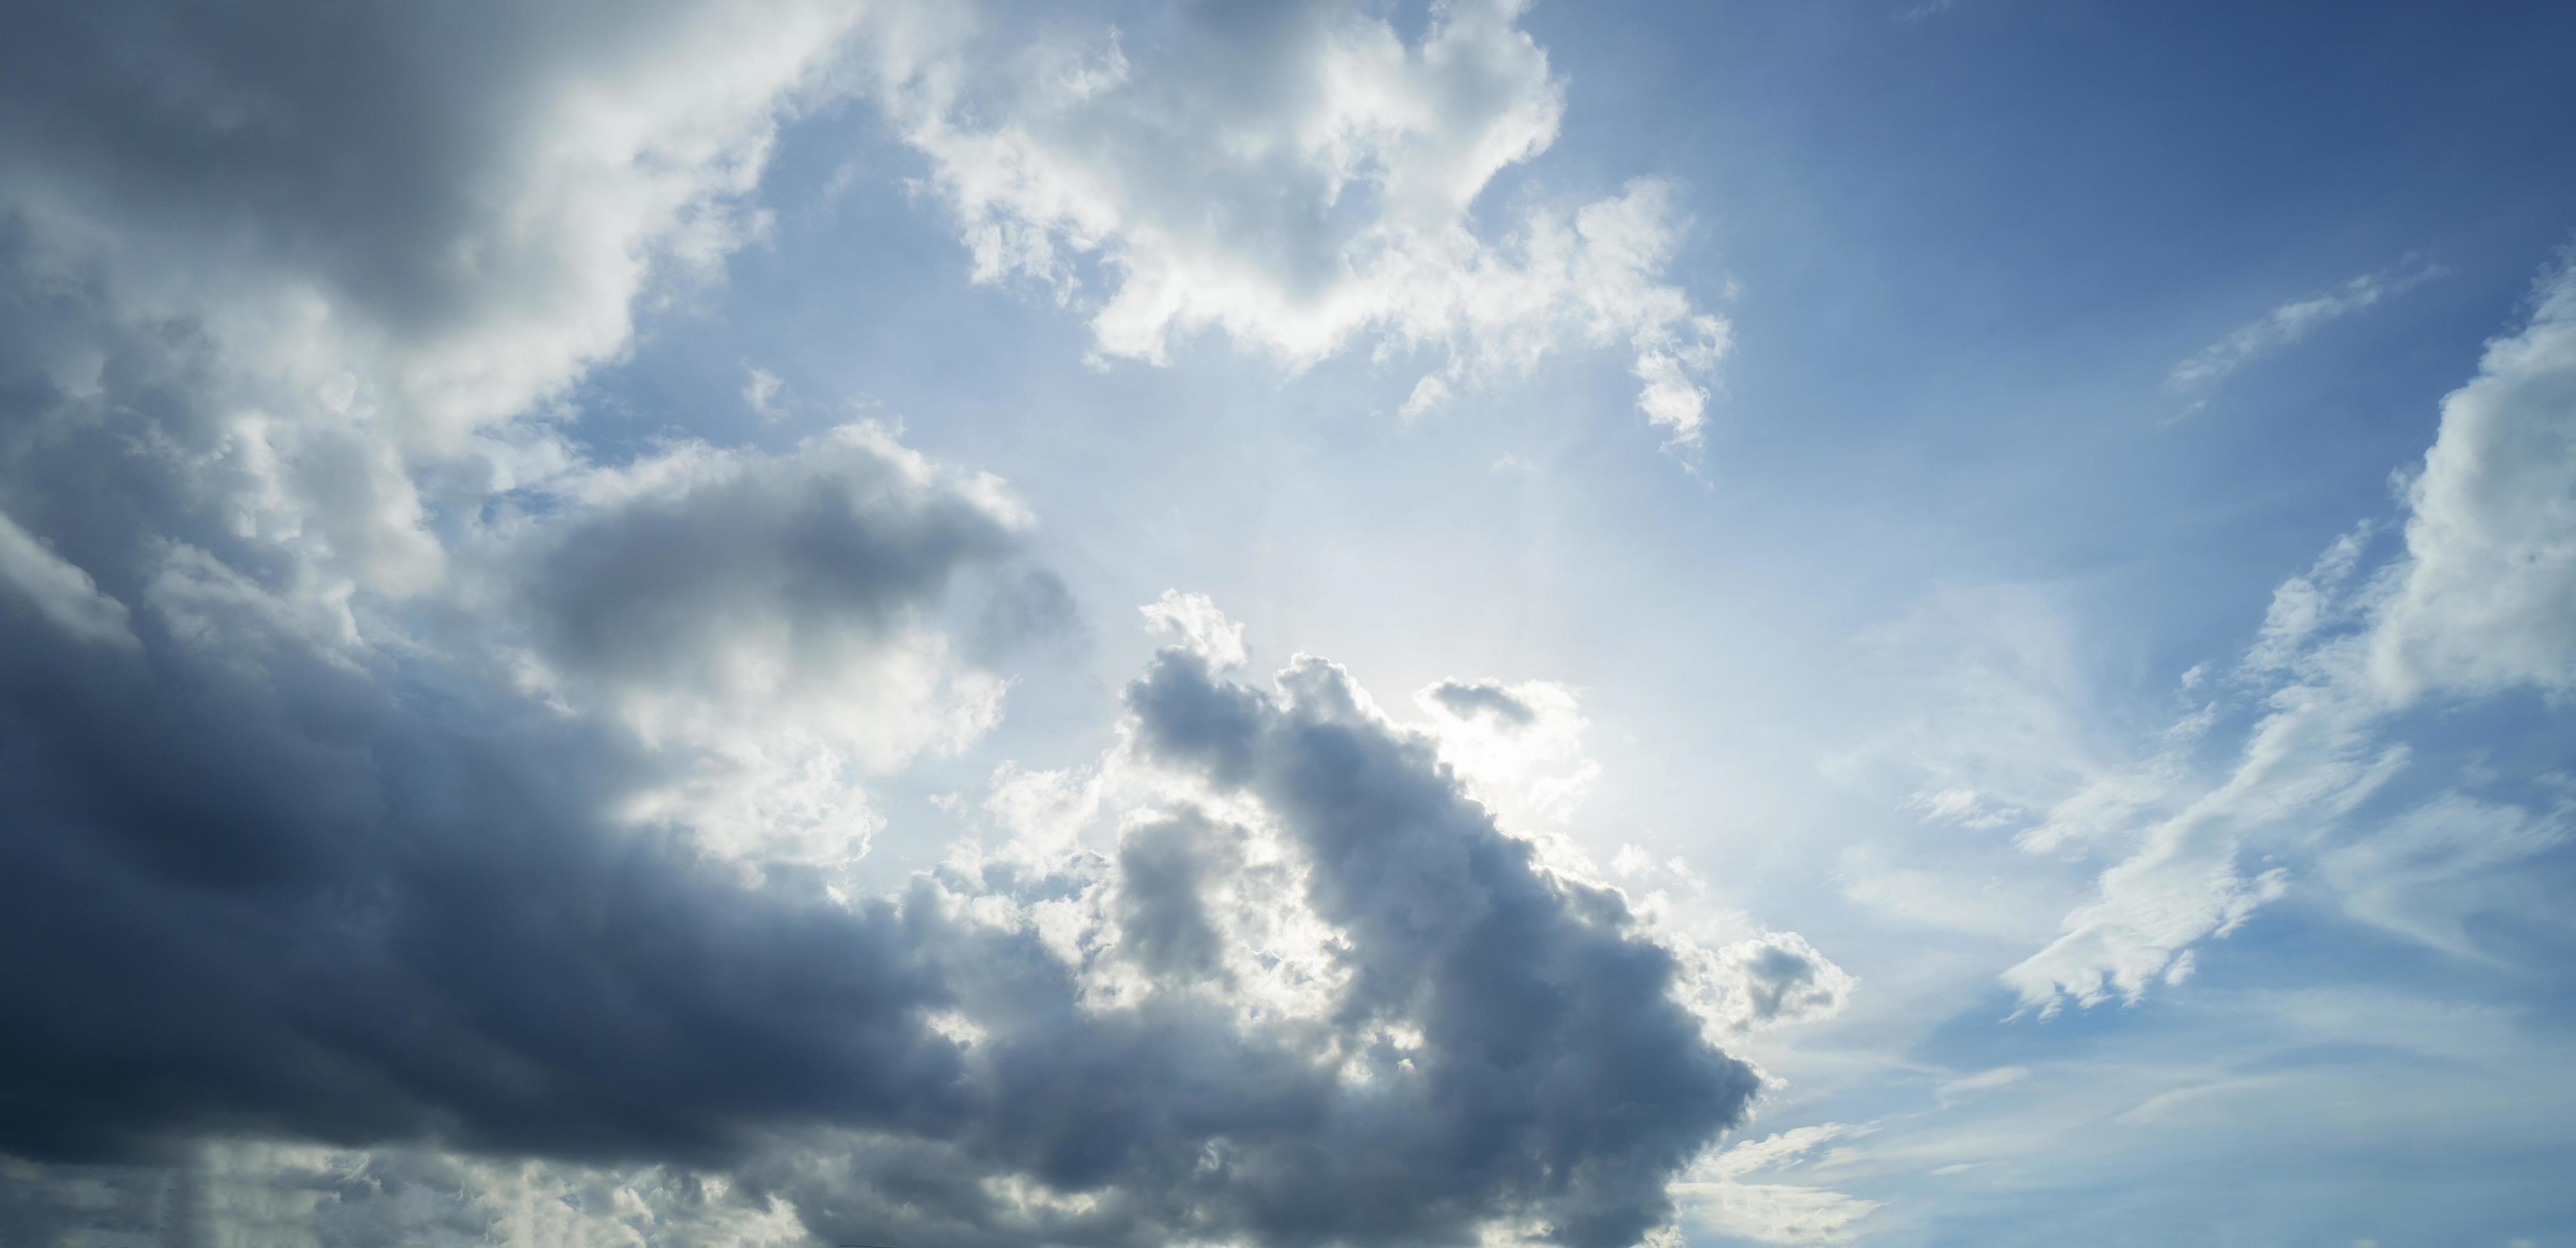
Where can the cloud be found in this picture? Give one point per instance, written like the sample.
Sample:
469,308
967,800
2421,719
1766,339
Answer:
313,857
2312,757
1466,699
2426,872
263,892
1533,990
2475,605
1984,1081
1519,747
768,621
385,760
761,389
462,241
306,387
298,903
1304,178
1193,621
1716,1197
63,595
2206,369
330,281
2489,579
302,1195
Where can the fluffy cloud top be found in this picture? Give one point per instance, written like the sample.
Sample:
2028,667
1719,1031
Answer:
1303,178
2490,578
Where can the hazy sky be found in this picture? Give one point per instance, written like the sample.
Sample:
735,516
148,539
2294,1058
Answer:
1285,624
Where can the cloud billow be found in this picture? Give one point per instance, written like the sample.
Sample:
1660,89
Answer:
1558,1071
1302,177
288,904
388,769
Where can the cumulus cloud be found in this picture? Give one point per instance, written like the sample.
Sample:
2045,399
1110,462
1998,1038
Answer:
761,389
770,620
2425,873
296,902
2489,582
302,390
303,859
382,758
1193,621
349,268
1780,978
1303,178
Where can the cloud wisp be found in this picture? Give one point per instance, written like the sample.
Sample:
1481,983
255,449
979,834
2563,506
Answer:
2475,605
2200,375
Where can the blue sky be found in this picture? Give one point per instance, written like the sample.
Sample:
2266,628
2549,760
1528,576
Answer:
2003,570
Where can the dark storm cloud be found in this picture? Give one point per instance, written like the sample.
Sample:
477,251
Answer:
1467,700
286,903
281,902
261,878
262,873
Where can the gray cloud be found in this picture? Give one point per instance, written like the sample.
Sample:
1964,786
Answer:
1483,697
1782,979
1558,1074
285,902
841,539
356,728
1163,872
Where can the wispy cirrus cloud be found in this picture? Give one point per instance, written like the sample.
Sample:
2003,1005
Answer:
2200,375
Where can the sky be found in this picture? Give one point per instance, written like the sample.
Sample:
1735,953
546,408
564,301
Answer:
1282,624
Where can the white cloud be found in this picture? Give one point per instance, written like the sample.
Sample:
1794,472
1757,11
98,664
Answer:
1984,1081
2426,872
1714,1195
2286,324
1193,620
2312,757
2479,602
379,277
2489,582
760,391
1302,179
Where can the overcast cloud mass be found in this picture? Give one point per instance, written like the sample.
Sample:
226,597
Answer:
1322,623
